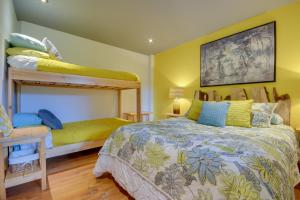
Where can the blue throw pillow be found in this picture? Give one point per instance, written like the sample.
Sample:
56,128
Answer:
26,119
25,41
214,113
49,119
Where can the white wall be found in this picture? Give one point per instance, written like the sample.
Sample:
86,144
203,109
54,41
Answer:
80,104
8,24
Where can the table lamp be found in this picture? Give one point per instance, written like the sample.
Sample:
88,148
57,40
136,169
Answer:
176,93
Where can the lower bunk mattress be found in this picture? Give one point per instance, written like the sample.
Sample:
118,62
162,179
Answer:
84,131
72,133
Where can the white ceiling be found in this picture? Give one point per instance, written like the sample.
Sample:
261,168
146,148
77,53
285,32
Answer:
129,23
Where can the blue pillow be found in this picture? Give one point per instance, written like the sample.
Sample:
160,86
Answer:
26,119
20,40
49,119
214,113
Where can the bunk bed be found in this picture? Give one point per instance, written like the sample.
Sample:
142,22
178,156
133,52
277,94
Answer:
110,81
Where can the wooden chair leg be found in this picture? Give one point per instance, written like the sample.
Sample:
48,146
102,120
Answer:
43,164
2,175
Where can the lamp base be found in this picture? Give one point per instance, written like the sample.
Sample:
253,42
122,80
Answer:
176,107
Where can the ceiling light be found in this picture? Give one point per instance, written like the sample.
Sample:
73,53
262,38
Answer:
44,1
150,40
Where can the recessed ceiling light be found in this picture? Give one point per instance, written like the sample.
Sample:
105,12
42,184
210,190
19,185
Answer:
44,1
150,40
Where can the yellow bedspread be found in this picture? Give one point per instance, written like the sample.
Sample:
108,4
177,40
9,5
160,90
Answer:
83,131
48,65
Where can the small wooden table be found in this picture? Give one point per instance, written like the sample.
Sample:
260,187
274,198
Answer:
133,116
26,135
169,115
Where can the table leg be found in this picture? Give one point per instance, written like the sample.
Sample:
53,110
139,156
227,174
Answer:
2,174
43,163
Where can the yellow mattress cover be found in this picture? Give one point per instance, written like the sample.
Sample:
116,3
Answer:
89,130
48,65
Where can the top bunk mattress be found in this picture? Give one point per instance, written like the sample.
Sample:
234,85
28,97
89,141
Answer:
84,131
55,66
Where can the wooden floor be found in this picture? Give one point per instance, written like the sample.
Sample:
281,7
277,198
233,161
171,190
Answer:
70,178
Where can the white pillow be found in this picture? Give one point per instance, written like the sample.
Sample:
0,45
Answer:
51,48
23,62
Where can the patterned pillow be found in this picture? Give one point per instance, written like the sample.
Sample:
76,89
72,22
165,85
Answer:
262,114
214,113
5,123
239,113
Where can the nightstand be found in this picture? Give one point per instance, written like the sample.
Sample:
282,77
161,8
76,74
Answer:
26,135
133,116
169,115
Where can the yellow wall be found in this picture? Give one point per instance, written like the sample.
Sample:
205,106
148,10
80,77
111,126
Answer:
180,66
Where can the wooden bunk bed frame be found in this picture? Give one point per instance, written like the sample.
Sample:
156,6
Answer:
18,77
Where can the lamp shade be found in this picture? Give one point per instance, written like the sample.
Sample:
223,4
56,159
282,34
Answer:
176,92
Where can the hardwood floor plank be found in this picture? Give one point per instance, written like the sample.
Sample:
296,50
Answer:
71,178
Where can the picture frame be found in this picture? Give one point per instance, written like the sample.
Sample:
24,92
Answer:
245,57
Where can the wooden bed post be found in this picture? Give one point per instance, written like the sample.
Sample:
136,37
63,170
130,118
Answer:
18,97
10,95
120,103
138,104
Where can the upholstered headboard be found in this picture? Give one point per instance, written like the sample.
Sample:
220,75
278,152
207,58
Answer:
258,94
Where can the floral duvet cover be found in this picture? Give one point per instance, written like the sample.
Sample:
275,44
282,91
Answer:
186,160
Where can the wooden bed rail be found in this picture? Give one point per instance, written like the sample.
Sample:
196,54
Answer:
18,77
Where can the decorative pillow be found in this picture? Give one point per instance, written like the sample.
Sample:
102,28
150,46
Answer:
26,119
49,119
27,52
51,48
20,40
214,113
239,113
262,114
5,123
194,110
276,119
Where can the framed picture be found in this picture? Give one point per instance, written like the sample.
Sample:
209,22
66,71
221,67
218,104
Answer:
245,57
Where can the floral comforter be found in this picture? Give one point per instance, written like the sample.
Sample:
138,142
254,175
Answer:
185,160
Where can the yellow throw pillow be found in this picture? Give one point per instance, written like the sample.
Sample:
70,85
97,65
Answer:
195,110
27,52
239,113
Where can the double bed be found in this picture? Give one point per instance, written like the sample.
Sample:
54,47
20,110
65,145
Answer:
179,159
